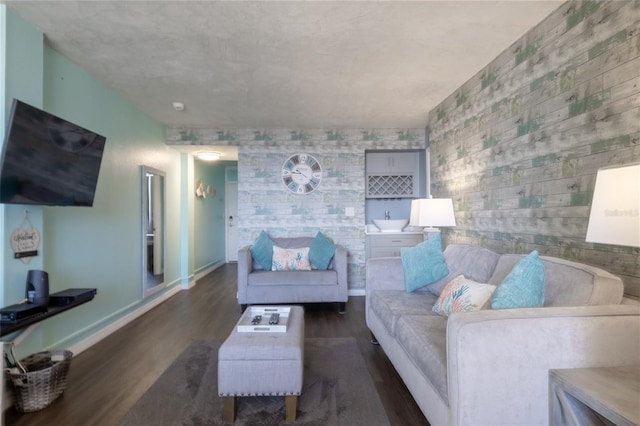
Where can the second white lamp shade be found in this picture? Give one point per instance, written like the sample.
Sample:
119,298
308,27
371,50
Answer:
432,212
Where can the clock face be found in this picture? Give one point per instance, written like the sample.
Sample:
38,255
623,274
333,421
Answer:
301,173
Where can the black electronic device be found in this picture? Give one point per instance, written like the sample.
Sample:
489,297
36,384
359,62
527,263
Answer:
47,160
21,311
71,295
256,320
37,291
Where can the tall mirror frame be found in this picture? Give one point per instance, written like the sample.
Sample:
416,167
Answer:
153,230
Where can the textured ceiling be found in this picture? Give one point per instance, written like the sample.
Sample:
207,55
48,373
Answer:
292,64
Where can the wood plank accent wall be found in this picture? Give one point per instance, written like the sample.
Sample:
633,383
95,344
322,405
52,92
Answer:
265,204
518,146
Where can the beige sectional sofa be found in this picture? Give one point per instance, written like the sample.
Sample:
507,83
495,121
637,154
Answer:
490,367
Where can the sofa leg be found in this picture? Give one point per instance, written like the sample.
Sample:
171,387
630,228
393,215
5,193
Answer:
374,341
342,306
243,307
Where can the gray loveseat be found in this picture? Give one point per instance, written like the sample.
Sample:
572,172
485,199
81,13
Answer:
257,286
490,367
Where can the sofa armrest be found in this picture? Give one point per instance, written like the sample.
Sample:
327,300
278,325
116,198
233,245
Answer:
384,273
340,266
498,361
245,267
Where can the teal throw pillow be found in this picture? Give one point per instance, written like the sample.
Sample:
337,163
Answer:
321,251
523,287
423,264
262,251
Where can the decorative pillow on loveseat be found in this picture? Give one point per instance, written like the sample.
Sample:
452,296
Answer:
523,287
423,264
321,251
295,259
463,295
262,250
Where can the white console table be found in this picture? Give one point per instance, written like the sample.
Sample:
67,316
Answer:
595,396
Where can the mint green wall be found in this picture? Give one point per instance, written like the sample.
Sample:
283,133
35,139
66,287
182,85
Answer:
23,78
209,214
24,61
99,246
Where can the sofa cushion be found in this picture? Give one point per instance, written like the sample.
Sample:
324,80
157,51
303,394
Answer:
321,251
474,262
523,287
390,305
463,295
423,263
568,283
296,259
293,242
262,250
294,278
424,339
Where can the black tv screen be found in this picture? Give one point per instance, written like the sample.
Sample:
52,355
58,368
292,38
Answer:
47,160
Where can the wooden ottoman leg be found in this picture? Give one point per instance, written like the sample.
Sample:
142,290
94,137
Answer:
290,405
229,409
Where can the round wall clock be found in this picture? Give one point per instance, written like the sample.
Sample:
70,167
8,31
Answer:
301,173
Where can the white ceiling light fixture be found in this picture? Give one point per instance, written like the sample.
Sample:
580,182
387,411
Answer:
208,156
178,106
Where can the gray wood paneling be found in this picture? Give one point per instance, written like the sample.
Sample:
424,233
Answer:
518,146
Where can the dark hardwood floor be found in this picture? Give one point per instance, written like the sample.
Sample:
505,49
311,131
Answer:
108,378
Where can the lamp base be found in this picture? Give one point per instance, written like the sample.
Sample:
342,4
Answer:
429,233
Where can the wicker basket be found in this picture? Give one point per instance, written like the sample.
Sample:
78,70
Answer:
44,381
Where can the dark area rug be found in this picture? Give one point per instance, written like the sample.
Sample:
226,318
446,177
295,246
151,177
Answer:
337,390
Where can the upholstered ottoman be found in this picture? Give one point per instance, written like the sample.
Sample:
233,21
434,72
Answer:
262,363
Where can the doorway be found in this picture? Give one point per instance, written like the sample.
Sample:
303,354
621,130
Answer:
231,208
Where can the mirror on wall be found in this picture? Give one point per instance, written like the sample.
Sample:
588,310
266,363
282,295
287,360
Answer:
153,230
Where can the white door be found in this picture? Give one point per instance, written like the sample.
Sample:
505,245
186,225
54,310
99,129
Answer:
231,191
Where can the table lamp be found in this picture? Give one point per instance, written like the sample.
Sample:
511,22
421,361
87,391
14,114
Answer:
615,209
431,212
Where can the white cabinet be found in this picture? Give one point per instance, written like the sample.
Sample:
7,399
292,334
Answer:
392,175
392,163
389,245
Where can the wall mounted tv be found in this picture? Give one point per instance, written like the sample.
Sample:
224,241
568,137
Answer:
47,160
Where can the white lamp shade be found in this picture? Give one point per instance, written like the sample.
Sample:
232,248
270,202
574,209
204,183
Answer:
615,209
432,212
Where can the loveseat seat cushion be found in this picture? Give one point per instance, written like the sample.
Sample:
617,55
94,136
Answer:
424,339
296,278
390,305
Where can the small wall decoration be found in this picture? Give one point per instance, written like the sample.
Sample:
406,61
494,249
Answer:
200,192
25,240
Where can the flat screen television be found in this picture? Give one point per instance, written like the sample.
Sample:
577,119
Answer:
47,160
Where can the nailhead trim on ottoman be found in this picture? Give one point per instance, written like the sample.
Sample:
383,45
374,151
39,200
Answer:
260,364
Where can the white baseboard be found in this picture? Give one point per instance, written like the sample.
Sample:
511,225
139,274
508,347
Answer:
85,344
191,281
357,292
7,396
121,322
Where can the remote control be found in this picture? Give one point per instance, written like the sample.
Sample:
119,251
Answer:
256,320
274,319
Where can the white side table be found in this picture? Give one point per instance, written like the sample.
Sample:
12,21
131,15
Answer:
595,396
